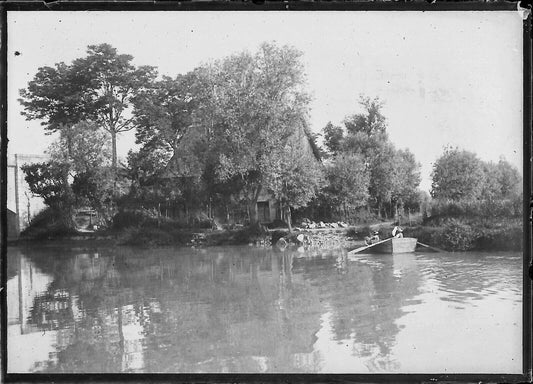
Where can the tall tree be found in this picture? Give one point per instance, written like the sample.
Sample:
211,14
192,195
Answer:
84,147
393,175
368,137
406,177
371,122
296,175
59,96
348,180
164,119
333,137
509,179
114,81
49,180
260,102
457,175
79,155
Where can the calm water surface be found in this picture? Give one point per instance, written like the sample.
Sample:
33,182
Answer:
241,309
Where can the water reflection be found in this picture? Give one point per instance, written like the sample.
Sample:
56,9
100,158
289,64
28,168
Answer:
241,309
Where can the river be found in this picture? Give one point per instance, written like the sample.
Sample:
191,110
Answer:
244,309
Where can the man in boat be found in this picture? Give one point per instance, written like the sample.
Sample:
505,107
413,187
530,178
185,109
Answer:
397,232
369,240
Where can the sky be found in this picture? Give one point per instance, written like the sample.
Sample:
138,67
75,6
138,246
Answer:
446,78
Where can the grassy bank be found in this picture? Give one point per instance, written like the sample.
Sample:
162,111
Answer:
143,229
471,235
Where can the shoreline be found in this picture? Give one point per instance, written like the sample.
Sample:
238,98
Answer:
499,239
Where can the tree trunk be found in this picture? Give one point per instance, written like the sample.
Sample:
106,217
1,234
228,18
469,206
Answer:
288,217
67,203
114,150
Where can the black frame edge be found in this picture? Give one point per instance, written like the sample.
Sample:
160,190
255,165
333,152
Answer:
3,192
527,292
155,5
250,5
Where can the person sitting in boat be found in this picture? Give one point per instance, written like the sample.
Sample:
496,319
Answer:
369,240
397,232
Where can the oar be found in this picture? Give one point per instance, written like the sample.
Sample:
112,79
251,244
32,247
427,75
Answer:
430,247
368,246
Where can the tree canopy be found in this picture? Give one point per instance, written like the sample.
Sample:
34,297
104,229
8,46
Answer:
97,88
457,175
393,175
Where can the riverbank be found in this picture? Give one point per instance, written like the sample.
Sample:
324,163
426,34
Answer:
330,238
458,235
451,235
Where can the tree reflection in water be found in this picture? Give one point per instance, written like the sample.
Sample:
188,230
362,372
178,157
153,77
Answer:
128,310
231,309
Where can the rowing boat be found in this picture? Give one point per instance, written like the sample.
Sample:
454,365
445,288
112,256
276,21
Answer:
391,245
396,245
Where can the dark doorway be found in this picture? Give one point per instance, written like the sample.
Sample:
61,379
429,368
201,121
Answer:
263,212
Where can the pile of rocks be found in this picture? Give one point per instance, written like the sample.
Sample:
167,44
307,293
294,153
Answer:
198,239
308,224
299,240
316,239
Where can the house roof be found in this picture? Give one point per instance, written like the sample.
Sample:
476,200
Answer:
312,143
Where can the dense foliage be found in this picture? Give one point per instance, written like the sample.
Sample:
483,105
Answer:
214,141
365,168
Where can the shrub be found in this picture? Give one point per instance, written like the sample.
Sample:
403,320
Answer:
423,234
153,237
363,232
132,218
150,219
456,236
355,233
470,209
251,234
47,224
496,239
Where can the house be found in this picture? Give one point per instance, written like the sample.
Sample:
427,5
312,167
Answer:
268,207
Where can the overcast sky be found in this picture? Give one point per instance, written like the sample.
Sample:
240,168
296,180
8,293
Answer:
447,78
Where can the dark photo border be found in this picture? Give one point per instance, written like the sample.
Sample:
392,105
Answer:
290,6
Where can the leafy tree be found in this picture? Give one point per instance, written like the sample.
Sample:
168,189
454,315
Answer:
333,136
406,178
509,179
491,189
80,154
47,180
114,81
84,147
373,144
348,180
394,175
296,176
164,120
260,101
457,175
58,96
99,187
371,122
